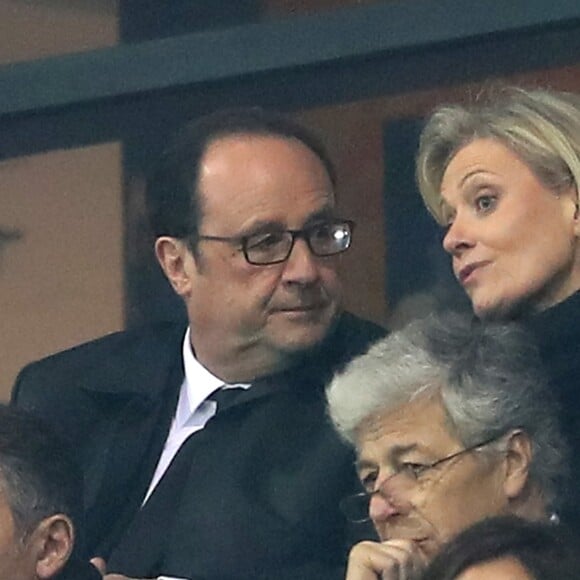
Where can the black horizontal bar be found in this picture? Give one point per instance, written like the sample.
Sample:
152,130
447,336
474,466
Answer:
271,46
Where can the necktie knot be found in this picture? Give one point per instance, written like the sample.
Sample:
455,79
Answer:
225,397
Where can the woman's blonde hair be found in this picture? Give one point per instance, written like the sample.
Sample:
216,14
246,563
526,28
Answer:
542,127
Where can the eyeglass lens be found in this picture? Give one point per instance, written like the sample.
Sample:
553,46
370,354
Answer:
356,507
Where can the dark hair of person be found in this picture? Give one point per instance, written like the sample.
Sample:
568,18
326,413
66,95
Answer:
547,551
40,478
37,473
173,201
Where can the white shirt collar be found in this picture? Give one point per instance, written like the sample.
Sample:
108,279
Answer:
198,385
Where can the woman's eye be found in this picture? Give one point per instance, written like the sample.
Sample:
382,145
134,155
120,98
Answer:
485,203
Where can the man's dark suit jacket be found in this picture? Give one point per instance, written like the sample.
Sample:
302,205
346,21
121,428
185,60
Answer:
261,499
78,570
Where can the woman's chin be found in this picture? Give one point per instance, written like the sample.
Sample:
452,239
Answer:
481,309
494,310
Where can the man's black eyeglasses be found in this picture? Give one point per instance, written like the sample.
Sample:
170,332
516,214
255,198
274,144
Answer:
262,249
356,507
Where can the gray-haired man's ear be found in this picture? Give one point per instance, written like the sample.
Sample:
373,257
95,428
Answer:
518,460
524,497
52,542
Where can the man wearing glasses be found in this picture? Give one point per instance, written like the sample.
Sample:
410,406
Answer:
206,449
452,423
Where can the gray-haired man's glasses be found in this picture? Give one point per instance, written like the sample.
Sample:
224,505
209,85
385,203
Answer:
407,476
274,247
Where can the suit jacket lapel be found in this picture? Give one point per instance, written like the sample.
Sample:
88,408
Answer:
138,393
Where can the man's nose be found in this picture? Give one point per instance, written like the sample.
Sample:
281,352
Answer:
302,265
382,507
387,500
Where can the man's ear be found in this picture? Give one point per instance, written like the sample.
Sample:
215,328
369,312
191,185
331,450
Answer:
176,260
518,461
53,541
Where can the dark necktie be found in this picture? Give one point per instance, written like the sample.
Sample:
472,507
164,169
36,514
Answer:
140,551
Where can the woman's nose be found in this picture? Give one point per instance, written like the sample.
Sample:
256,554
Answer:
457,238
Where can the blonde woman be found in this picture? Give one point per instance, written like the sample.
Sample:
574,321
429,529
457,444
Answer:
502,176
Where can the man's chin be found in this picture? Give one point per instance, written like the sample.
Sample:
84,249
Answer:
296,338
429,547
299,342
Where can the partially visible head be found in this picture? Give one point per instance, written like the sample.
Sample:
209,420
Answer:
502,174
174,200
541,127
508,548
440,388
247,176
40,493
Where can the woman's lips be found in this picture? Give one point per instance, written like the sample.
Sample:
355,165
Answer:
466,273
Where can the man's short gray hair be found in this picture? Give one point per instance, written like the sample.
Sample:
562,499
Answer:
488,376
